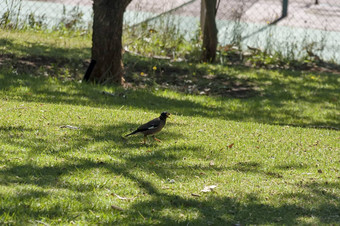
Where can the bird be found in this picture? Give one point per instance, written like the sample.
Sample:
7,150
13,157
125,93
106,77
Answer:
152,127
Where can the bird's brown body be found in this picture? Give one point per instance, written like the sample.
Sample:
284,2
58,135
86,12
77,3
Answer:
152,127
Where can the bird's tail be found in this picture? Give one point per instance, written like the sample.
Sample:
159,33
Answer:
132,133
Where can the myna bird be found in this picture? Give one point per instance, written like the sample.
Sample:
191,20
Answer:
152,127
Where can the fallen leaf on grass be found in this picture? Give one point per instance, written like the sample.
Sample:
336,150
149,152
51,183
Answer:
69,127
208,188
211,163
120,197
117,207
230,145
196,195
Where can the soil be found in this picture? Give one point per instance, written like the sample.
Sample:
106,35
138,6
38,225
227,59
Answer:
169,75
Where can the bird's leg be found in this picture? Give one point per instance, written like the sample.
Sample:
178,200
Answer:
144,139
156,139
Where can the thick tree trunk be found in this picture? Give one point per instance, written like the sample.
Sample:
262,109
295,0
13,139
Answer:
209,30
107,40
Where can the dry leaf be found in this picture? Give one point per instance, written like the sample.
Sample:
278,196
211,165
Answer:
196,195
120,197
211,163
69,127
208,188
230,145
117,207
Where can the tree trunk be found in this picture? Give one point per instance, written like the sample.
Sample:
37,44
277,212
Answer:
209,30
107,40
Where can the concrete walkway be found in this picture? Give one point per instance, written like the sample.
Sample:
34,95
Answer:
306,25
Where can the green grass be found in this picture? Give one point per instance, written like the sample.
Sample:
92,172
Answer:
282,169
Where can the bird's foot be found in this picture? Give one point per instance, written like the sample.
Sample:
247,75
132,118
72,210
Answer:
144,140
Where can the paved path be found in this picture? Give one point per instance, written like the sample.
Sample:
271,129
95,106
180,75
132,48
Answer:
301,13
306,22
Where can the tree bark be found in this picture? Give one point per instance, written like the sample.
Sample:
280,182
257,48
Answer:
107,40
209,30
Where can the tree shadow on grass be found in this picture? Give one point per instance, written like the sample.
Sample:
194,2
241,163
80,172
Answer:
207,209
270,105
163,162
87,95
37,59
35,52
257,109
210,208
111,136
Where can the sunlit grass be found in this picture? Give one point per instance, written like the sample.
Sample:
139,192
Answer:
31,43
274,156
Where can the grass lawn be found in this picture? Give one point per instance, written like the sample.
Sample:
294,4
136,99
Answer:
267,139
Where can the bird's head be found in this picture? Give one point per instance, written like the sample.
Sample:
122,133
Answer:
165,115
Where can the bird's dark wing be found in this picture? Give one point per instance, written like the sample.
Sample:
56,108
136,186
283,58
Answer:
150,125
